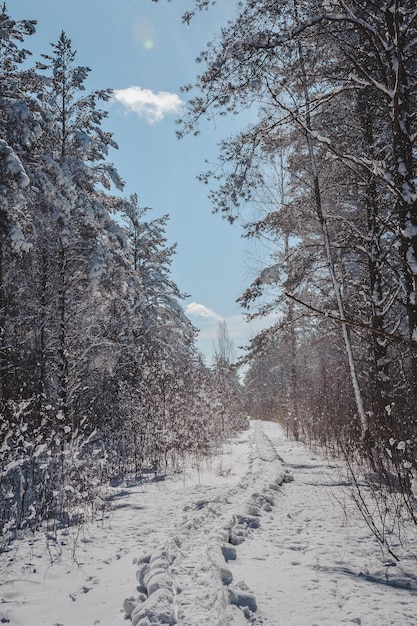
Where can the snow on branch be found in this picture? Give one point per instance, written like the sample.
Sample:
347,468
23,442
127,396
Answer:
12,165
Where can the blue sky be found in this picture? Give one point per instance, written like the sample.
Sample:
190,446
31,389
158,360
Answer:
141,49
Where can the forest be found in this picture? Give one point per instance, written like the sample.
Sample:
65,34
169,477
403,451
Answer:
326,178
100,375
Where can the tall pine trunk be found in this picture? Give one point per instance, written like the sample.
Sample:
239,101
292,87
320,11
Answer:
404,170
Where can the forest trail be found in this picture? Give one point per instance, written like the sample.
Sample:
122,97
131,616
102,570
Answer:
264,533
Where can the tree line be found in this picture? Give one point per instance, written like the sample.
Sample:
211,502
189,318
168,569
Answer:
326,175
100,376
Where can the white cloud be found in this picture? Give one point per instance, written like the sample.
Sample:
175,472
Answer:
145,103
200,310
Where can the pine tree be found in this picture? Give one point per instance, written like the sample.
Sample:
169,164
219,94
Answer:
19,131
74,226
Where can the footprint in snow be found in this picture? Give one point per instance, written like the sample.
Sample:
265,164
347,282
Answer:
85,588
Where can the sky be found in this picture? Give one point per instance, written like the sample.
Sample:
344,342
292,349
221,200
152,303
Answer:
143,51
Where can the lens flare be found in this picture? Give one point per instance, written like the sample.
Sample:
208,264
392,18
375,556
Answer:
147,44
144,33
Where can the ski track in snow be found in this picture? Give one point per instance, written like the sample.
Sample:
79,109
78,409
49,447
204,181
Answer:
256,536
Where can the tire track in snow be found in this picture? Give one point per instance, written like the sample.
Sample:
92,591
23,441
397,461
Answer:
187,581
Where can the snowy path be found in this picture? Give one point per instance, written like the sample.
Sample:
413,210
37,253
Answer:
312,562
256,537
187,579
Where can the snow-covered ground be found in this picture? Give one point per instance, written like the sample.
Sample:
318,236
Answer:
266,533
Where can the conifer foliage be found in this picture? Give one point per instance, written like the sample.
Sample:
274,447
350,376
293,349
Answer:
99,373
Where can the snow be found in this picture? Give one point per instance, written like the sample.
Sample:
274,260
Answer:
270,275
412,261
13,165
410,230
266,532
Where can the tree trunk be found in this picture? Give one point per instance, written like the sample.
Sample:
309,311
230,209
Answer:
404,170
328,248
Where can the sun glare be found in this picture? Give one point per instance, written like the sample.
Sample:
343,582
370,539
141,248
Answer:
144,33
147,44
